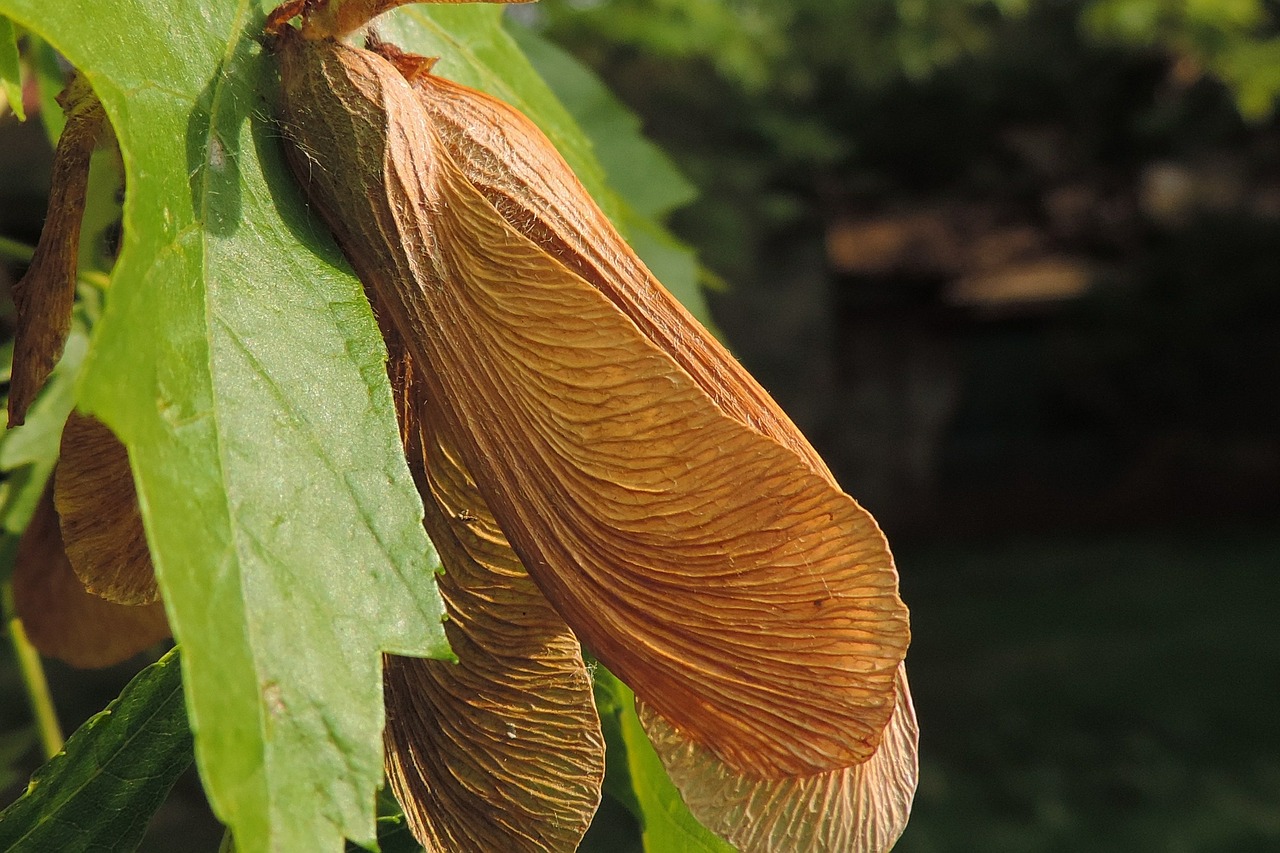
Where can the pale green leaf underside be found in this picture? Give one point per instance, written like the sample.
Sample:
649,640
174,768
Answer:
100,791
647,184
240,363
640,172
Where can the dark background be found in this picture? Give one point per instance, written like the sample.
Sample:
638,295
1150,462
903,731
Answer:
1012,267
1014,271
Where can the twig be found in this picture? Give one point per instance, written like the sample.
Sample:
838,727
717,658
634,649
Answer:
46,716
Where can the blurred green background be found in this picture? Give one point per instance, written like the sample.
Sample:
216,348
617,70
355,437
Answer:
1012,266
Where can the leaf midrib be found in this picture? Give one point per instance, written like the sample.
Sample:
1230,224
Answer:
218,90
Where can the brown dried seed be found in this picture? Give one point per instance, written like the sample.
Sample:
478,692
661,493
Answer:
676,539
61,618
98,508
501,751
45,295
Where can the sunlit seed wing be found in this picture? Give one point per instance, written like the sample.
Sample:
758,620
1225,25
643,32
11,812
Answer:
861,809
521,174
505,156
501,751
748,600
98,507
705,564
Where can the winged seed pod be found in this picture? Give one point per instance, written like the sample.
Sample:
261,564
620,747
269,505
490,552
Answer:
503,750
83,583
63,619
670,513
507,158
44,296
98,510
76,567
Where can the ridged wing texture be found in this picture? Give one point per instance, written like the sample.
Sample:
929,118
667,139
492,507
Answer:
861,809
501,751
509,160
735,589
44,296
101,525
513,165
712,568
61,618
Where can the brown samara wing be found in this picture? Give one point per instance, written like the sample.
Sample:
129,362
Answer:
502,750
739,592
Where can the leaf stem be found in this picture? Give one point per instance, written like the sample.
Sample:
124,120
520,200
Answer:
15,249
46,715
228,844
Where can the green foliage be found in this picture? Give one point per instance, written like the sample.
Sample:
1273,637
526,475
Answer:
10,71
28,452
239,362
49,82
99,792
1234,41
789,46
393,829
742,39
638,781
786,45
647,183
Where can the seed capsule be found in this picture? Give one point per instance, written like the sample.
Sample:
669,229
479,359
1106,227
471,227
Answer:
666,508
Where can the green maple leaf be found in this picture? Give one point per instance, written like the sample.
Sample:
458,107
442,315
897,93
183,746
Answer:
238,360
